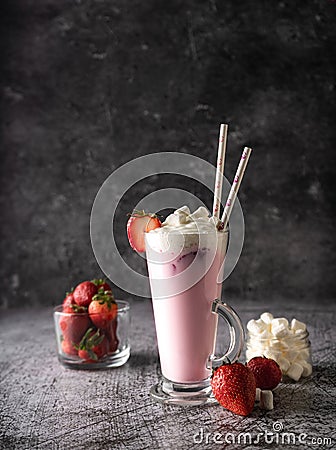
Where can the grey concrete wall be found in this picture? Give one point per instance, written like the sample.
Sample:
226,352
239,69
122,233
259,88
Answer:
89,85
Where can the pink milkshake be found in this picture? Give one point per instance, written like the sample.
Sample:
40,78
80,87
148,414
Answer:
184,258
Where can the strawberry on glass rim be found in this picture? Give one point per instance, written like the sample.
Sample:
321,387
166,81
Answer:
138,224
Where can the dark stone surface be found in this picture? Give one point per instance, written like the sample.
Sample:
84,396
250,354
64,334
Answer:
47,407
89,85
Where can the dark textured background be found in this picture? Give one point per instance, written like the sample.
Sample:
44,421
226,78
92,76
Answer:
89,85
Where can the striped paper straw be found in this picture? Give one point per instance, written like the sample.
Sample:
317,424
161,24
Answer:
220,170
235,186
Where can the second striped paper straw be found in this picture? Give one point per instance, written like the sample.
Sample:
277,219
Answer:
235,186
220,170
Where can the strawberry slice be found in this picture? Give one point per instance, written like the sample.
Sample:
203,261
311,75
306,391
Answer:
138,224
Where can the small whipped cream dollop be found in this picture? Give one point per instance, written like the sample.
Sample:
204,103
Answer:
182,224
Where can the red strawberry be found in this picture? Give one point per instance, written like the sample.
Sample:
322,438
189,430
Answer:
138,224
93,346
84,292
234,387
69,305
102,310
101,285
74,325
266,371
68,302
68,347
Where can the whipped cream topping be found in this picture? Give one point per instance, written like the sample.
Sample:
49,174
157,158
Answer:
182,229
187,222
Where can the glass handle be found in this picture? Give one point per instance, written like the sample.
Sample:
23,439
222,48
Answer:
236,333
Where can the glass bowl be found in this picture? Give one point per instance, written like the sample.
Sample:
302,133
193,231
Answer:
88,341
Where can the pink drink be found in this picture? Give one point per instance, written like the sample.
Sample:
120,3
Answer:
184,277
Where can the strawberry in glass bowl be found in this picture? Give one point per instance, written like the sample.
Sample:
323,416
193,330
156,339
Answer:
92,327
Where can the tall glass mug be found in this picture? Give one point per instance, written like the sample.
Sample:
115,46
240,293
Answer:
185,272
